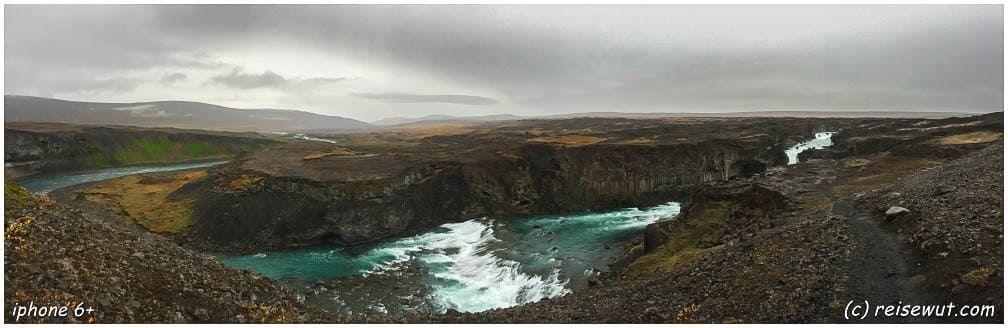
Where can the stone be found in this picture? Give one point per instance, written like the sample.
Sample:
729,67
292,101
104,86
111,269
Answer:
918,281
202,314
896,211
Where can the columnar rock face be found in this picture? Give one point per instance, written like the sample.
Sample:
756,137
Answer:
242,209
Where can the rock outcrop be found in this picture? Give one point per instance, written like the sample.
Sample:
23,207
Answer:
243,209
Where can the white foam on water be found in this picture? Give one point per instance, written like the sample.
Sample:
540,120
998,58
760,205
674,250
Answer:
468,276
474,279
821,140
400,252
628,218
310,138
465,272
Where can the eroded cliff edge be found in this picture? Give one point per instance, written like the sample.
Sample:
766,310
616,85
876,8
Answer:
349,194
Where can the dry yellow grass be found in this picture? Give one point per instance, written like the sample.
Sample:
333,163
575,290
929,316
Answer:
947,126
147,204
970,138
571,140
860,174
509,155
638,141
423,130
757,135
243,180
863,138
856,162
334,152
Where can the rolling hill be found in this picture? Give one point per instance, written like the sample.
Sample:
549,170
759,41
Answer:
179,114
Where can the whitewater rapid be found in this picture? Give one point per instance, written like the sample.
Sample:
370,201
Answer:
480,264
820,141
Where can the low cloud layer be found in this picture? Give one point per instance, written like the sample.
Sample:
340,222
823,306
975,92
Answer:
239,79
370,62
413,98
173,78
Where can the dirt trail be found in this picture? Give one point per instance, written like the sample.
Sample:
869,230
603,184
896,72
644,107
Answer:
880,268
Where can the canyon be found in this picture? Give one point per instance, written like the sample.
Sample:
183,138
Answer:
717,261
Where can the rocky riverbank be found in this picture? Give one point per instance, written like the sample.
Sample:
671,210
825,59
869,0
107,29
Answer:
56,255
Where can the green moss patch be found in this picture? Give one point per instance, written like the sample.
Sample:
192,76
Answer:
16,197
100,160
199,149
684,241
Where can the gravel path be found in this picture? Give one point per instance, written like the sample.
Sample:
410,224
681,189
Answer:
879,269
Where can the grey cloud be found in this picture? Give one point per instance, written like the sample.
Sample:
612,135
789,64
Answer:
553,58
94,86
418,98
114,85
318,81
170,79
239,79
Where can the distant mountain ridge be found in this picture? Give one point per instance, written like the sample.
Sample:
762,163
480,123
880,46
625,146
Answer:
197,115
178,114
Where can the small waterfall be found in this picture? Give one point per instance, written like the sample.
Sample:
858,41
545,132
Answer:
820,141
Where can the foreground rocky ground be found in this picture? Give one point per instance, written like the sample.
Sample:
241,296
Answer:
952,217
55,255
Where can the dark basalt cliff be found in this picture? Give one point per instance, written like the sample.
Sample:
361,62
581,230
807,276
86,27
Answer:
244,210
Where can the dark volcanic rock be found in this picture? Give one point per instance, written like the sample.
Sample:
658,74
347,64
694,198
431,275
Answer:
55,255
246,210
958,233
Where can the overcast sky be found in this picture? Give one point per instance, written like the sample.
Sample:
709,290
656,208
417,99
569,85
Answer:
372,62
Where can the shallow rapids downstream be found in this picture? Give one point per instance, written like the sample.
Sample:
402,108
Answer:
820,141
